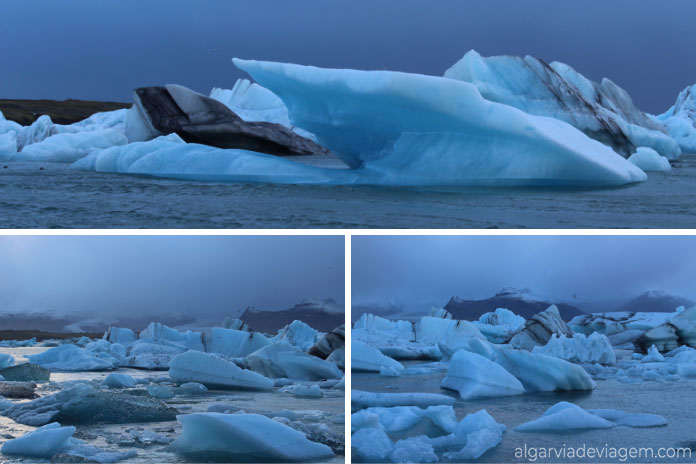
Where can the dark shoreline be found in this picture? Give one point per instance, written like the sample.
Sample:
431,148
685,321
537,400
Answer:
41,336
68,111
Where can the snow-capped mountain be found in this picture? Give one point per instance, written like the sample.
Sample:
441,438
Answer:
655,301
323,315
520,301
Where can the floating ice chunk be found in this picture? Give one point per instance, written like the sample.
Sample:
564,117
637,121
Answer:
235,343
364,399
213,371
160,391
69,357
145,354
539,372
649,160
43,442
579,349
8,126
69,147
503,317
603,110
630,419
680,120
474,345
652,356
475,377
433,330
399,419
285,360
539,328
306,391
366,358
413,449
371,444
120,335
244,437
299,334
389,371
481,432
34,133
563,417
115,380
400,329
193,387
158,332
390,344
6,360
436,131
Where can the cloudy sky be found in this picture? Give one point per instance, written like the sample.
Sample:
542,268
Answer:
133,276
102,50
419,272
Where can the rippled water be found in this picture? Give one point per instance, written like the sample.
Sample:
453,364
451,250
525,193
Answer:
328,410
58,196
673,400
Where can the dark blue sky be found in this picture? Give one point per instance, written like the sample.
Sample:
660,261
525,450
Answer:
418,272
103,49
151,275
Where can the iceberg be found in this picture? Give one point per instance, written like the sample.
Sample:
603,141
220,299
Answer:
613,323
306,391
539,372
213,371
6,360
432,330
68,147
8,144
244,438
568,417
366,358
70,357
371,444
235,343
476,377
115,380
404,129
502,317
394,346
283,360
400,329
649,160
478,432
603,111
579,349
41,443
120,335
652,356
328,343
146,354
680,120
252,102
158,332
538,329
299,334
678,331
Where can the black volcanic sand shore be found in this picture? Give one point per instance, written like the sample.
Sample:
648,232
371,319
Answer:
40,336
68,111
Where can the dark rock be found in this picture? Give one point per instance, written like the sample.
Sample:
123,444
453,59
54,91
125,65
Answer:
200,119
26,373
21,390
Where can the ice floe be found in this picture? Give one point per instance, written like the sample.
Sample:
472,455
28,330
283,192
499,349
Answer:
475,377
285,360
214,371
71,357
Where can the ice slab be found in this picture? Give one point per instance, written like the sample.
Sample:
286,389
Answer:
649,160
367,358
363,399
476,377
43,442
579,349
235,343
285,360
70,357
213,371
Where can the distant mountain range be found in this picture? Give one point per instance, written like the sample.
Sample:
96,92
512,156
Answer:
521,302
322,315
655,301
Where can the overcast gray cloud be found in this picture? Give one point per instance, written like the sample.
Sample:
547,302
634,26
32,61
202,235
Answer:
139,275
421,271
102,50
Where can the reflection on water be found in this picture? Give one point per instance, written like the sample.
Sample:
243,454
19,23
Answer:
62,197
328,410
675,401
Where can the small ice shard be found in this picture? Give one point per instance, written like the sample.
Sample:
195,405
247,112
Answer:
652,356
244,437
213,371
41,443
193,387
299,334
70,357
390,371
235,343
306,391
115,380
149,437
563,417
539,372
649,160
475,377
579,348
539,328
285,360
366,358
160,391
363,399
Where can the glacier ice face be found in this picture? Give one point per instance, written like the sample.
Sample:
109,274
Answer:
299,334
70,357
235,343
43,442
680,120
408,129
475,377
244,438
283,360
366,358
649,160
213,371
579,348
568,417
604,111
